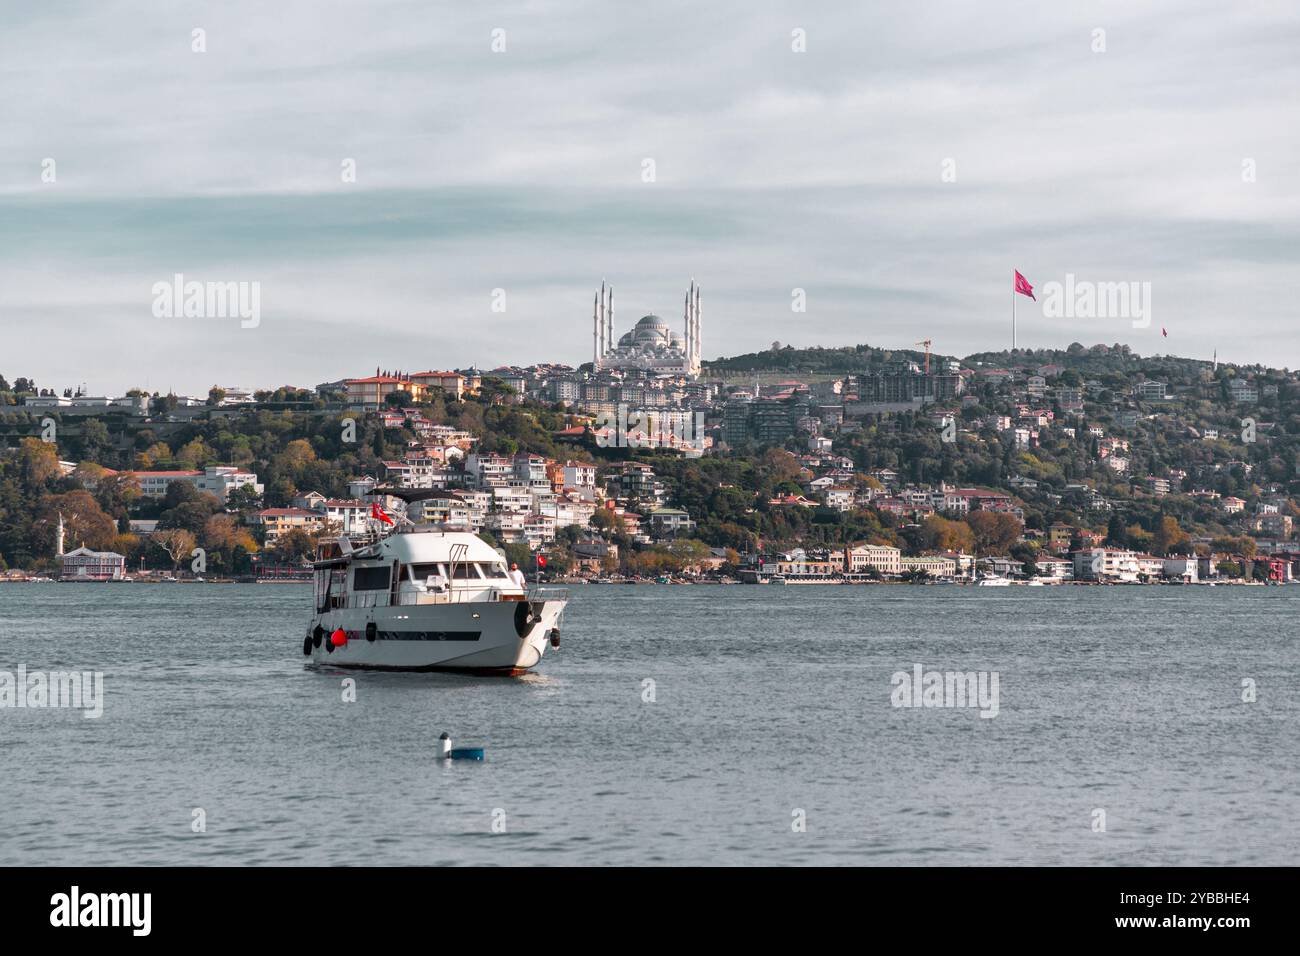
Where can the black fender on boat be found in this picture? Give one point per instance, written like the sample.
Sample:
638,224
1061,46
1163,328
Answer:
372,631
317,633
306,646
527,615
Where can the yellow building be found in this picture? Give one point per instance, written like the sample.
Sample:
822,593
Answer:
373,392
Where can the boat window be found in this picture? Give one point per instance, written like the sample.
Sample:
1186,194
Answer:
495,570
370,579
466,572
422,572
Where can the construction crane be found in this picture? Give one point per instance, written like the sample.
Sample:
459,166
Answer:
926,343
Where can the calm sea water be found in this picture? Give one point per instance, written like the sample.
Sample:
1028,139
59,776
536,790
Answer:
767,701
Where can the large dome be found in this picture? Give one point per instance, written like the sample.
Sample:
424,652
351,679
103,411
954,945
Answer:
651,332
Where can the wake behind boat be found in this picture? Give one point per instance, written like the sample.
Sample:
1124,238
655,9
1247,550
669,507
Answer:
422,598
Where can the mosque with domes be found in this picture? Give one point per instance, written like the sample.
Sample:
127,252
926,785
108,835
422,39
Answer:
651,346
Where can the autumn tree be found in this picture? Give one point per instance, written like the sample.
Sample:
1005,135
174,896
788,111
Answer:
195,453
995,531
940,534
177,542
84,523
1169,538
294,546
226,541
38,461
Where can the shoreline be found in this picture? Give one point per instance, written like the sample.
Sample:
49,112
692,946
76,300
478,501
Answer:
710,582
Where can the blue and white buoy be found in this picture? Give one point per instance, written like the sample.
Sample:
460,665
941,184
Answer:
462,753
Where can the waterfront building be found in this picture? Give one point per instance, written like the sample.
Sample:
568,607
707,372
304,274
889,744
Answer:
1002,566
1055,569
806,570
83,564
935,565
883,558
1106,565
1181,568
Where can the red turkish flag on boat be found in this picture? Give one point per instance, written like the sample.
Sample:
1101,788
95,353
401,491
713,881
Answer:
378,512
1023,286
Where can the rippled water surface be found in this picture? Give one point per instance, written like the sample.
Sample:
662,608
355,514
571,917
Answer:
767,701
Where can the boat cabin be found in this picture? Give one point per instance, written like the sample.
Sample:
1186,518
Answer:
411,566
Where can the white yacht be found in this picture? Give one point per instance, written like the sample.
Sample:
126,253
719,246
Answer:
993,581
424,598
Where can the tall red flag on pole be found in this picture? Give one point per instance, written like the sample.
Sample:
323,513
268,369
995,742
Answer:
1019,284
1023,286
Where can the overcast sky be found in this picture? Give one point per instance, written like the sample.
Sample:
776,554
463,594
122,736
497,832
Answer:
522,170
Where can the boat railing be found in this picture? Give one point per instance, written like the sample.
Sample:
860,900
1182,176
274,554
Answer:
538,593
369,599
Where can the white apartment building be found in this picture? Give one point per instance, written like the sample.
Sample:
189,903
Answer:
487,471
539,530
579,475
347,516
1055,569
530,469
219,480
570,510
1182,567
508,498
1105,564
1149,390
841,499
507,526
447,509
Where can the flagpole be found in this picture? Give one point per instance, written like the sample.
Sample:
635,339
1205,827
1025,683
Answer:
1013,310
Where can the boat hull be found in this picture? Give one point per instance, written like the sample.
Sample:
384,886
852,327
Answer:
490,637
